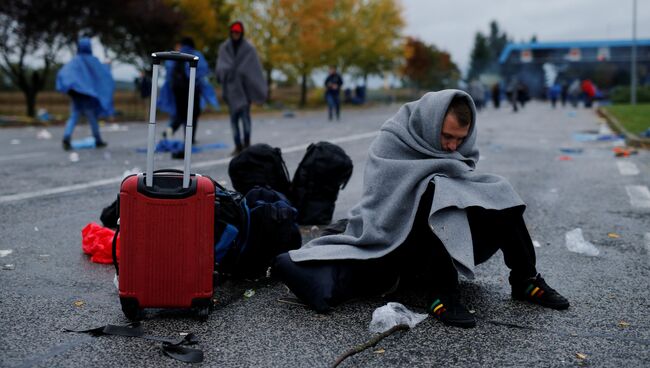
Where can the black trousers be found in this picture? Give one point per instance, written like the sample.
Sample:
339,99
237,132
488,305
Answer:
180,119
421,260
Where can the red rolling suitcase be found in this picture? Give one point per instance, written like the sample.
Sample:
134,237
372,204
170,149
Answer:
166,226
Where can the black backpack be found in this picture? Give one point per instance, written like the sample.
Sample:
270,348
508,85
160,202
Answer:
250,231
259,164
324,170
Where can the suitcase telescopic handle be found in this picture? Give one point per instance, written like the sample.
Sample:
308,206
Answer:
193,61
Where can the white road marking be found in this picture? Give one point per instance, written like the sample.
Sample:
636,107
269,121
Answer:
627,168
639,195
22,156
115,180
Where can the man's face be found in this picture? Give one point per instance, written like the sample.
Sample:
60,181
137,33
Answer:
452,134
235,35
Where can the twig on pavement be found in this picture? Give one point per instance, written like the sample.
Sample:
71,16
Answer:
368,344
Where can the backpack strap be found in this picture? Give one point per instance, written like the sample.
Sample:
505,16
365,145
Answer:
173,348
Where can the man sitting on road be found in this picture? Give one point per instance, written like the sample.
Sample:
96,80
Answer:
424,216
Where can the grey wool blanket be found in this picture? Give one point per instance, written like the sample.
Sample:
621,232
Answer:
404,158
240,75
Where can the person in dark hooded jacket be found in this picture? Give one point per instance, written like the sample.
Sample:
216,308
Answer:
240,73
90,85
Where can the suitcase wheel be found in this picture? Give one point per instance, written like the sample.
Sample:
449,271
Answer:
202,308
131,309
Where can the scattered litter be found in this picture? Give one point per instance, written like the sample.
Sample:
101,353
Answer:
84,143
597,137
15,141
135,170
581,356
9,267
249,293
183,333
292,301
536,244
613,235
43,115
79,303
564,158
115,127
173,145
74,157
393,314
623,324
624,151
379,351
116,282
5,252
575,242
43,134
569,150
35,228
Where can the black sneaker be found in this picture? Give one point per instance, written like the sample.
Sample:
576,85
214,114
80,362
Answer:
100,144
450,311
535,290
66,145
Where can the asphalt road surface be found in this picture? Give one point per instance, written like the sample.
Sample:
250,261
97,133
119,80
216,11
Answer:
48,284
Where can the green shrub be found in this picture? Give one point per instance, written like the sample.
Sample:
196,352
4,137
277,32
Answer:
621,94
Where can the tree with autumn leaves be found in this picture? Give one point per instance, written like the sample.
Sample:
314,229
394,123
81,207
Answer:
426,67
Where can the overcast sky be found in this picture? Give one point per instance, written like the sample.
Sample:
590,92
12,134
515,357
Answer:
452,25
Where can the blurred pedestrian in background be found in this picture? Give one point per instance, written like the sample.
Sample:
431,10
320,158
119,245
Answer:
174,93
496,94
589,92
512,93
554,93
574,92
333,84
90,85
564,94
240,73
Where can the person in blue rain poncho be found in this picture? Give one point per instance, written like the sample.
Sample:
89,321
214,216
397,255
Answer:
173,95
90,85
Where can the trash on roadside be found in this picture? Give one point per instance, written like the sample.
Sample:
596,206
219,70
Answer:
43,134
379,351
249,293
79,303
5,252
597,137
97,242
623,324
536,244
393,314
581,356
9,267
84,143
569,150
43,115
74,157
564,158
613,235
15,141
575,242
624,151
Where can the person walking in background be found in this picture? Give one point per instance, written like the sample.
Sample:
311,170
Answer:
240,73
90,85
554,92
589,91
512,93
496,94
333,84
174,93
574,92
477,91
564,94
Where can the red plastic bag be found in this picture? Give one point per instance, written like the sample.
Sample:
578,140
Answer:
97,241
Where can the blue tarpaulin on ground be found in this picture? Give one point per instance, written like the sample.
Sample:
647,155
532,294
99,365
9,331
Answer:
172,145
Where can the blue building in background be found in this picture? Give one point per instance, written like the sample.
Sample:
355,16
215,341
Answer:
541,64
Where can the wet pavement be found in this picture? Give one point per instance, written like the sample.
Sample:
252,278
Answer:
47,283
